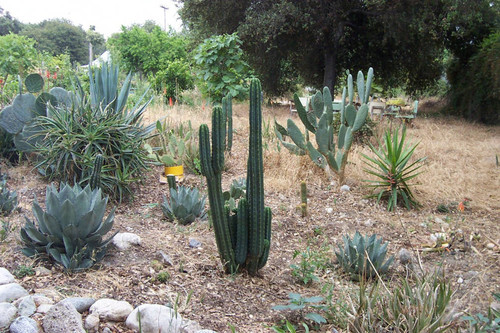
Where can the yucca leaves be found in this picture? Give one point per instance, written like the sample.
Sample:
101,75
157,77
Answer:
392,170
71,229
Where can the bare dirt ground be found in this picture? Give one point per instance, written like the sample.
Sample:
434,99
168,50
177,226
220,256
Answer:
197,284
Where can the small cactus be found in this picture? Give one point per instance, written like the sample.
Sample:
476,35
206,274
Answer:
95,177
303,198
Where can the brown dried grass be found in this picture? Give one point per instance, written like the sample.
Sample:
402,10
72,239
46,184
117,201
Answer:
460,156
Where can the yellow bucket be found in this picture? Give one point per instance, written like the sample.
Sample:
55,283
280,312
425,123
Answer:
177,171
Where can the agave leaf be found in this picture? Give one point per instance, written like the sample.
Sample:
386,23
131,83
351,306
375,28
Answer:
29,252
52,225
33,233
68,244
67,216
106,226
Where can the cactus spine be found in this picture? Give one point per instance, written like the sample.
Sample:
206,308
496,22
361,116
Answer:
243,236
332,149
95,177
227,108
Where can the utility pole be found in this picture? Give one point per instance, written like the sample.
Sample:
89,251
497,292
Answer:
164,17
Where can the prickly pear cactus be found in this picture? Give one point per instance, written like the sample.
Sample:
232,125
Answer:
331,149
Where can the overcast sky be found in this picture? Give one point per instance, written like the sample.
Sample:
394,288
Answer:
106,15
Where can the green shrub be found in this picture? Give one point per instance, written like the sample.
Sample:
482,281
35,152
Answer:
72,228
362,257
184,205
73,136
392,168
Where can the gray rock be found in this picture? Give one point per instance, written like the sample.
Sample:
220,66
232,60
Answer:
24,325
166,258
345,188
27,306
206,331
5,276
194,243
41,299
63,318
42,271
124,240
7,314
81,304
155,318
11,291
44,308
92,323
405,257
106,330
190,326
111,310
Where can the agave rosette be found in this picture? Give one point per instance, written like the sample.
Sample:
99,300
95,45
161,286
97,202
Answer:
72,228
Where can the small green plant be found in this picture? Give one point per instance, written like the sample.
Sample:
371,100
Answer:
72,228
23,271
392,168
236,191
302,304
184,205
362,257
485,323
8,199
5,230
286,326
310,262
162,276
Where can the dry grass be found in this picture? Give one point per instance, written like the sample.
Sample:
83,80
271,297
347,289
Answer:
460,156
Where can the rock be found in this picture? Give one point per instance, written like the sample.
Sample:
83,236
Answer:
490,246
405,257
7,314
460,280
92,323
111,310
439,220
194,243
206,331
41,299
81,304
124,240
470,275
6,277
190,326
166,258
24,325
42,271
345,188
27,306
155,318
11,291
62,318
329,210
106,330
44,308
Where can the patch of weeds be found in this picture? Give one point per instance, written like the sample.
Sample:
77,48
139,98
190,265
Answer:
285,326
310,262
485,323
309,308
162,277
23,271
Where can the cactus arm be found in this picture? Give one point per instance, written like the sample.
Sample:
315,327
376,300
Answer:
95,177
267,240
218,139
369,79
315,155
241,248
301,111
350,114
350,88
295,134
318,104
342,107
361,86
360,117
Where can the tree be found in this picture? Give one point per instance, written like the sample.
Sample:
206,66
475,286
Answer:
59,36
161,56
96,42
320,39
8,24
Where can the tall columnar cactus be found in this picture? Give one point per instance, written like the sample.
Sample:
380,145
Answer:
243,236
95,177
332,148
227,109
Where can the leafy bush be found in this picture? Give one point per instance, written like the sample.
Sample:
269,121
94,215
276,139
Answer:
390,166
184,205
363,257
71,230
221,68
73,136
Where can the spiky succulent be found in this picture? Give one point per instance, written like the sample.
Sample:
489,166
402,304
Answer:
353,256
184,205
71,230
8,199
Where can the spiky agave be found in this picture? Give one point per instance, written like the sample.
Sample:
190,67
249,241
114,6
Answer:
184,205
71,229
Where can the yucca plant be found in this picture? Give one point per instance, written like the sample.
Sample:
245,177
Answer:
363,257
71,230
184,205
393,170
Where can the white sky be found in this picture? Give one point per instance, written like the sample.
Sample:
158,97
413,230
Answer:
107,15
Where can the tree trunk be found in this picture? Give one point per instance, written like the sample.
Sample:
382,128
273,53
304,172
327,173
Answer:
330,73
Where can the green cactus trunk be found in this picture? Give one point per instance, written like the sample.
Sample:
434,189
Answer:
95,177
243,239
227,108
